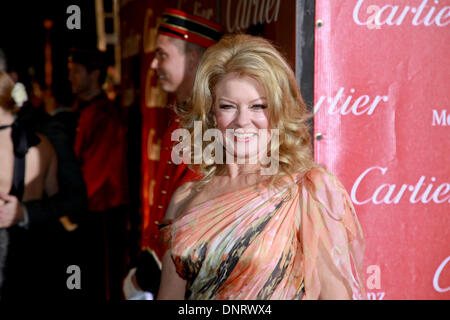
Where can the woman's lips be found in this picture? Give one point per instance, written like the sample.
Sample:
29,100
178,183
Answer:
243,137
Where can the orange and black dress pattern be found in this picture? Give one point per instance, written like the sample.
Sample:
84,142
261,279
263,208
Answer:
262,243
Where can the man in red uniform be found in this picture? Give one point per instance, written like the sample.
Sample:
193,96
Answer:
100,147
181,41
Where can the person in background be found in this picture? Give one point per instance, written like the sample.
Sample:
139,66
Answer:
100,147
3,232
55,217
28,172
181,41
285,229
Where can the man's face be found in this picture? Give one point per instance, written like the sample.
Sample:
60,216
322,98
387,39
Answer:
169,63
79,77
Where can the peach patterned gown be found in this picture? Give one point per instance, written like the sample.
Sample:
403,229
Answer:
259,244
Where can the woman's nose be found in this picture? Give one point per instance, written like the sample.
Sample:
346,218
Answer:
243,117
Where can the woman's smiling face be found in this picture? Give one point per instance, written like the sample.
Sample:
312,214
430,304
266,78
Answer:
241,106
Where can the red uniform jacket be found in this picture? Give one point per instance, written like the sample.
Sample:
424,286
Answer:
100,146
169,177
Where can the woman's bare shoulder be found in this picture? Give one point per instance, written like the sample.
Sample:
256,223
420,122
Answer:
180,198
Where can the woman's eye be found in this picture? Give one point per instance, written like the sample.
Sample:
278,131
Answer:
225,106
259,106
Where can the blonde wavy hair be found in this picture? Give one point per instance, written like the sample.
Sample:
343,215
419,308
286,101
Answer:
255,57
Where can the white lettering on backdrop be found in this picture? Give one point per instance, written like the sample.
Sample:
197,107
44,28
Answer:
362,104
387,193
441,119
396,15
437,275
261,11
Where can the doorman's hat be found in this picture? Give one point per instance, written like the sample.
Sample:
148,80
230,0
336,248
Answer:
179,24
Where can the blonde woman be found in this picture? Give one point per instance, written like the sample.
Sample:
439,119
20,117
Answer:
240,233
28,171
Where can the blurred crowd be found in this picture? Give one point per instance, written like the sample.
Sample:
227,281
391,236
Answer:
63,184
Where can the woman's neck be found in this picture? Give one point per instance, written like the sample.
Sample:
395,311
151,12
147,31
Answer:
235,170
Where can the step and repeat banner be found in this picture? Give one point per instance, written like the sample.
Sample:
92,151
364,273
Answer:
382,125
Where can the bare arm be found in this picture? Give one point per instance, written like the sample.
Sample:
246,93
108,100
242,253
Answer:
172,286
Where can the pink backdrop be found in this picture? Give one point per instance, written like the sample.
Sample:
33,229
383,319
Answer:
382,108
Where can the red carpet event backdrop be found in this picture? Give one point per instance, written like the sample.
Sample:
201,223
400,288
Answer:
382,119
382,125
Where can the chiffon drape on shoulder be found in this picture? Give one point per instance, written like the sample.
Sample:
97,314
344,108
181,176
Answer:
263,243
